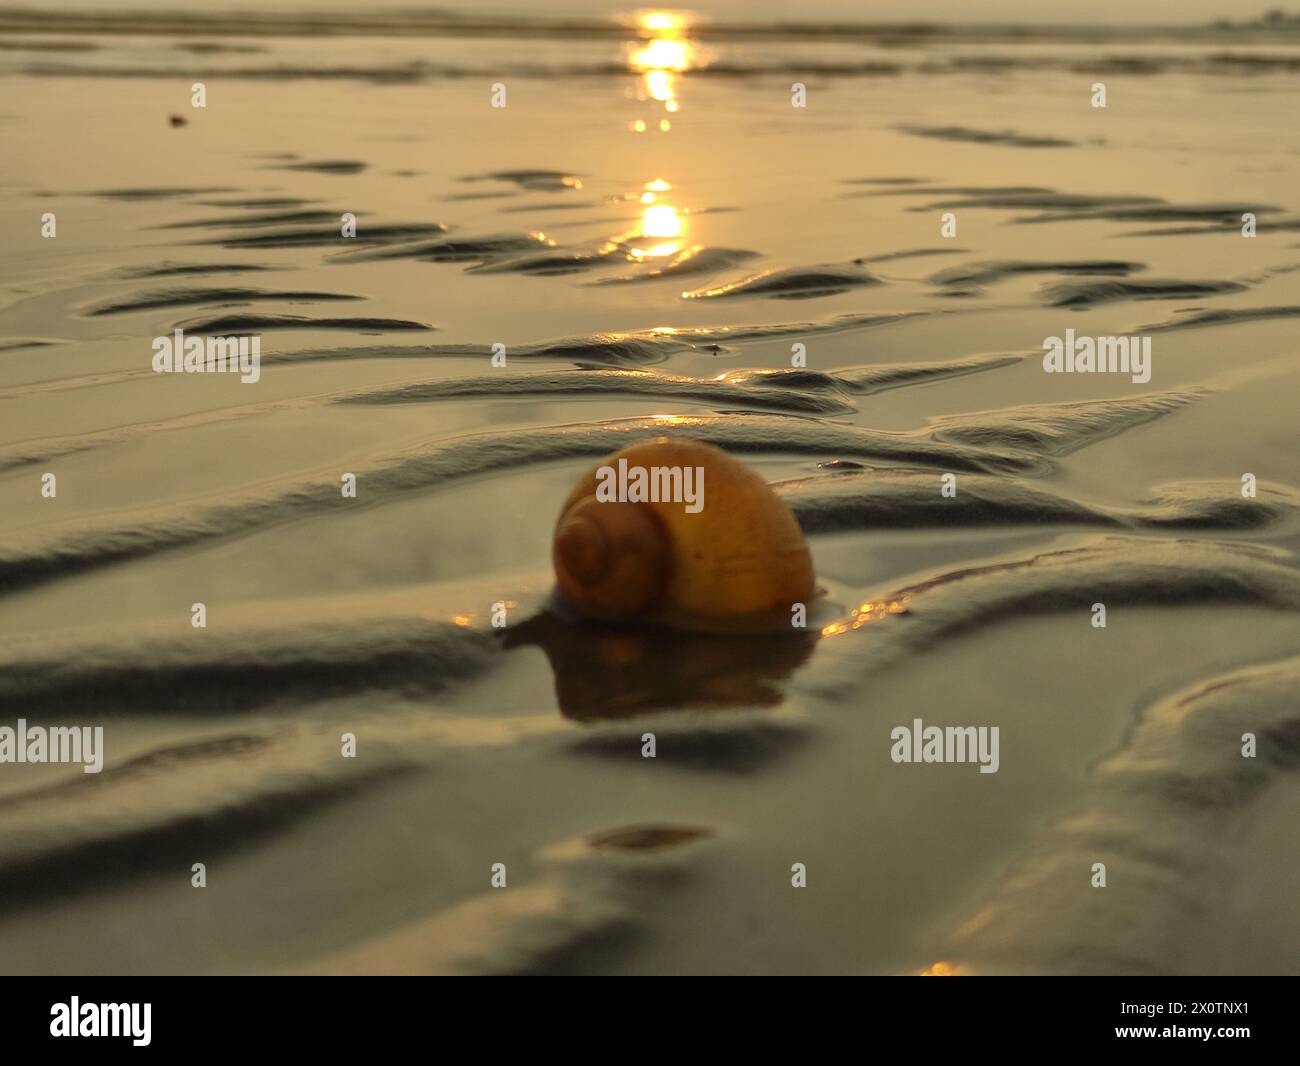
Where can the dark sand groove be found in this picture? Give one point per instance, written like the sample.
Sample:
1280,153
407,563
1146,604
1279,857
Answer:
986,272
1046,200
140,766
18,344
452,249
209,48
278,218
892,499
330,234
296,660
466,197
1093,293
603,382
226,325
48,46
599,349
793,390
548,263
1008,138
1272,225
533,180
840,323
917,253
160,193
609,349
378,74
1226,316
1054,206
792,283
188,297
258,202
922,189
1105,567
527,209
326,166
1160,212
169,270
864,380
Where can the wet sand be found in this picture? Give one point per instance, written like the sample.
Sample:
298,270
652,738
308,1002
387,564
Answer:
648,283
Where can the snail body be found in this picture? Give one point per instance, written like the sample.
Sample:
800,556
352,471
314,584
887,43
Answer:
739,552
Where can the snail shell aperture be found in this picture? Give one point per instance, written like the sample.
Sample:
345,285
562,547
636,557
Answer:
741,553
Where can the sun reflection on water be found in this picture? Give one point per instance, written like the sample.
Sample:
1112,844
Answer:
661,54
866,613
662,225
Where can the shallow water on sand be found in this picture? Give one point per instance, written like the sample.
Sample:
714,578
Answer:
641,281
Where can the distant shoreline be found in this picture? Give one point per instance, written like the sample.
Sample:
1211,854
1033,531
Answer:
17,20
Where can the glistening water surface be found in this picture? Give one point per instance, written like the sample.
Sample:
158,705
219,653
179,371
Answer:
652,231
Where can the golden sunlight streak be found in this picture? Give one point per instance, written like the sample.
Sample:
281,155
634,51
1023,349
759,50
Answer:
661,223
663,53
866,613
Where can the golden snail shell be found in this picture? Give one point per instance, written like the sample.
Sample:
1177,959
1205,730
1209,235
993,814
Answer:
741,553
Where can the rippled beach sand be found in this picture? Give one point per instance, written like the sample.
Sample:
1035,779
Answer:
648,226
